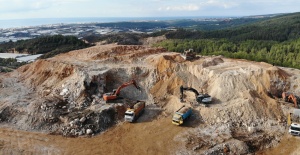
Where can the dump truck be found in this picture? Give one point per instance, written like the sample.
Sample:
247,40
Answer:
181,115
294,122
133,112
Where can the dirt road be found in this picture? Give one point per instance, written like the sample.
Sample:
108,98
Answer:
125,138
154,137
288,145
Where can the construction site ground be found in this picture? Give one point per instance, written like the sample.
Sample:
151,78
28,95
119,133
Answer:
121,139
55,106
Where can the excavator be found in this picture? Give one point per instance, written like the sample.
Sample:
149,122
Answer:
294,99
189,55
290,97
115,94
285,96
200,98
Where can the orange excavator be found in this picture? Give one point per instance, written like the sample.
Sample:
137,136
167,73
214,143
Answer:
285,96
114,95
294,99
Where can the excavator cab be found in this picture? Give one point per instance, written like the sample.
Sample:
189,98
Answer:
114,91
204,98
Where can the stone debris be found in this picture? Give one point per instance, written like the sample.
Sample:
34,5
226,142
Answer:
63,95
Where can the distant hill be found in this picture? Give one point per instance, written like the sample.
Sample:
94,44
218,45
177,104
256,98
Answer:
195,23
186,28
279,28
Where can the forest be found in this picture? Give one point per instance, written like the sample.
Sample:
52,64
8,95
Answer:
275,41
47,45
285,54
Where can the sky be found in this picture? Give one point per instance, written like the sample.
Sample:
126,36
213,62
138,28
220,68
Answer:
25,9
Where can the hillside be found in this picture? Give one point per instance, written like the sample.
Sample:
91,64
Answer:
194,23
278,28
63,96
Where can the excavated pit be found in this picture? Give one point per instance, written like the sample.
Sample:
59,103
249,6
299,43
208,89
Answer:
63,95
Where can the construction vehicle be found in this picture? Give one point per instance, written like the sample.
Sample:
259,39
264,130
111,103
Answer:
189,55
294,99
181,115
200,98
115,94
285,96
134,111
294,122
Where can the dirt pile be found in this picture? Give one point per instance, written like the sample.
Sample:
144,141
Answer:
63,95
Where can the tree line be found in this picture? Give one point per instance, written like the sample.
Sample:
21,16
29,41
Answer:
285,54
47,45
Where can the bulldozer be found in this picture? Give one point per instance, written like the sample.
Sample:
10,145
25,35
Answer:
200,98
115,94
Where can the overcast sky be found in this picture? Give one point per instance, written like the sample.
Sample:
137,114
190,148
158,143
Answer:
23,9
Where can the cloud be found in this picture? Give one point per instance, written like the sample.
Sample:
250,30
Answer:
22,6
15,9
201,5
7,6
189,7
221,3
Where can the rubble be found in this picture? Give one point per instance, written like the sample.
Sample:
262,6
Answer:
63,95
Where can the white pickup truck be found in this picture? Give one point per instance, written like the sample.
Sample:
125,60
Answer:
294,122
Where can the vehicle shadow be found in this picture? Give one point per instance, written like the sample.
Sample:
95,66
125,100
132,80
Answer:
194,120
150,113
213,102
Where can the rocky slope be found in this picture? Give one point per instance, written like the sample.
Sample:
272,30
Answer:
63,95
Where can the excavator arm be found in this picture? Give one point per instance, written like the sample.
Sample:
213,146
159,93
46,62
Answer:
125,85
188,89
113,95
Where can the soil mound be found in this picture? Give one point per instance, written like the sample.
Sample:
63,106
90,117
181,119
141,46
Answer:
63,95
